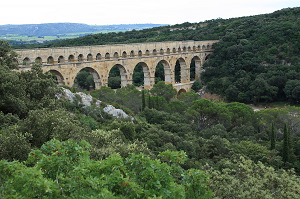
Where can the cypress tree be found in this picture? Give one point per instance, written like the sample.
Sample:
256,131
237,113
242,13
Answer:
273,137
286,145
143,100
149,102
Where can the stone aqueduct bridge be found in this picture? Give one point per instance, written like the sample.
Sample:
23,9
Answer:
67,62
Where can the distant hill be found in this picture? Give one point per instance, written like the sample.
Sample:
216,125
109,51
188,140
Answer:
51,31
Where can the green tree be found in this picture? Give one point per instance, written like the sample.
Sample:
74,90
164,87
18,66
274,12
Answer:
85,80
247,179
7,56
64,170
188,97
287,146
143,100
163,90
241,114
14,145
206,113
44,124
273,137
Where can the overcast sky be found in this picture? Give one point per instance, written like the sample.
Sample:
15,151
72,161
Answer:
106,12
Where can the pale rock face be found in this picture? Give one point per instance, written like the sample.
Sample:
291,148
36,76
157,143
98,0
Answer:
86,100
118,113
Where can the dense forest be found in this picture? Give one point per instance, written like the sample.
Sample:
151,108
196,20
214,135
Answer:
172,146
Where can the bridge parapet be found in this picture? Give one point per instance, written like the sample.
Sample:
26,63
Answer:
63,55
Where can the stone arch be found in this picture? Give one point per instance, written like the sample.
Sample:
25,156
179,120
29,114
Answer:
181,72
124,54
199,48
38,60
71,58
141,71
154,52
61,59
58,77
26,61
89,57
116,55
80,58
147,53
195,68
208,46
161,51
98,56
189,49
132,53
140,53
174,50
165,66
203,47
50,60
123,74
168,51
107,56
194,48
184,49
94,73
181,91
179,50
206,57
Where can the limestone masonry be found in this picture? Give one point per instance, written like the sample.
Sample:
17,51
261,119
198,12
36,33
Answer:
66,62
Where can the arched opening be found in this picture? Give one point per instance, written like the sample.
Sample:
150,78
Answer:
195,68
80,58
117,77
189,49
124,54
181,91
203,47
199,48
181,72
147,53
50,60
132,53
194,48
88,79
154,52
38,60
163,72
207,57
116,55
71,58
141,75
179,50
168,51
208,46
107,56
140,53
184,49
161,51
98,56
89,57
26,61
61,59
57,76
